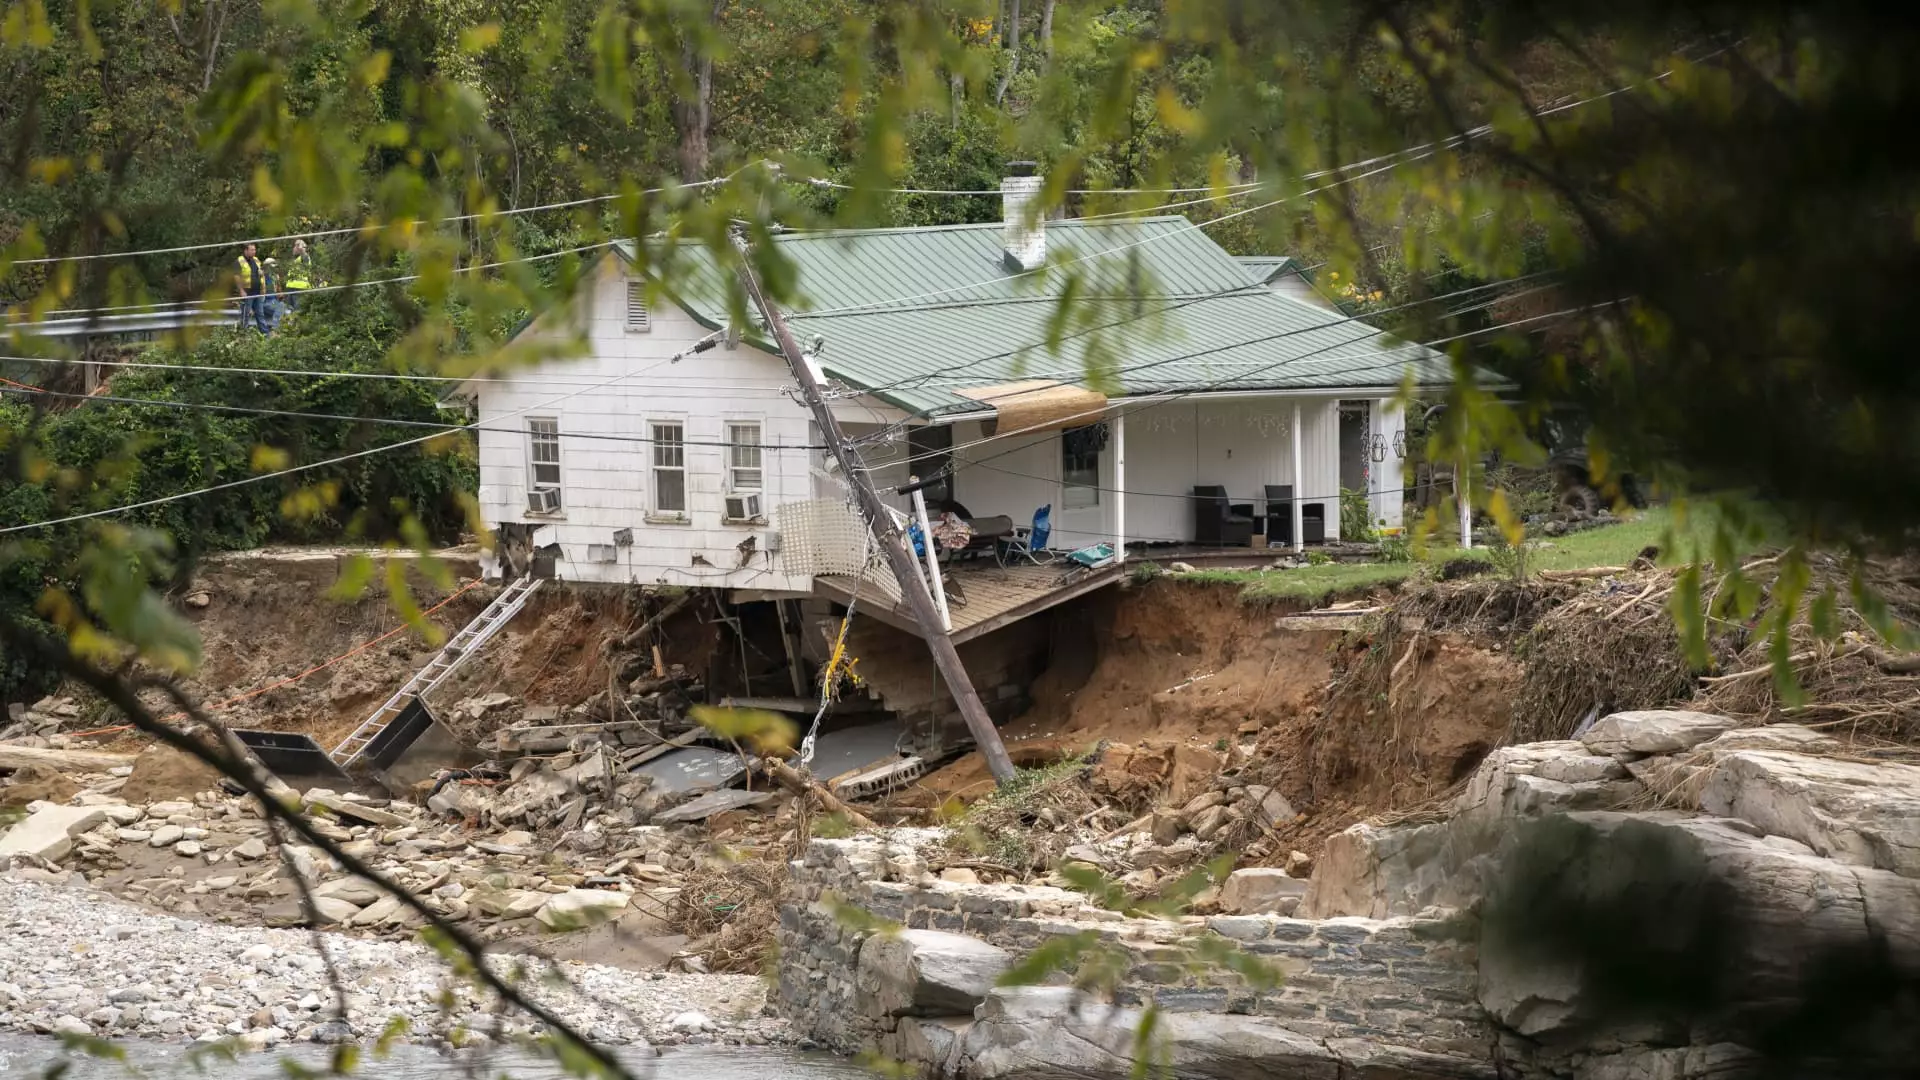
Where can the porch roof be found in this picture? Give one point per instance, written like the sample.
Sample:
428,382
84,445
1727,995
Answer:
1128,307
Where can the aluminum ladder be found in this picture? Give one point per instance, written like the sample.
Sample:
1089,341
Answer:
451,655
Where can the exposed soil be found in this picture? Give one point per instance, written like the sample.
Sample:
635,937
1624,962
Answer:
1191,678
271,616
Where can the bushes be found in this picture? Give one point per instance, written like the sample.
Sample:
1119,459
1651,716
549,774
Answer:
94,455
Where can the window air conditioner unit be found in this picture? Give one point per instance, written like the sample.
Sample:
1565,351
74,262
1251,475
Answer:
543,501
743,507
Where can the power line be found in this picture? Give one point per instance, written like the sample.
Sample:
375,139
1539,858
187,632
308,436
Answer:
701,346
996,191
1168,397
891,430
227,369
364,228
204,304
292,414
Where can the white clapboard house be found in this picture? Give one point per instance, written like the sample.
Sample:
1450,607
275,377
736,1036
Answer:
1175,367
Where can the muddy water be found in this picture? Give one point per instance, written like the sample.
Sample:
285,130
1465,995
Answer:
24,1056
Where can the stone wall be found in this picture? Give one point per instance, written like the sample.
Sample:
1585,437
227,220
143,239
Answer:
1405,984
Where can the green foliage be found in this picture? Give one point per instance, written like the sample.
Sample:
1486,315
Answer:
1356,517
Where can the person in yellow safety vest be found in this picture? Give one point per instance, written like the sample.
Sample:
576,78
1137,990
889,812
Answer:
299,274
252,280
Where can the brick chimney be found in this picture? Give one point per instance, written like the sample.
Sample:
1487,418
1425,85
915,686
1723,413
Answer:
1026,225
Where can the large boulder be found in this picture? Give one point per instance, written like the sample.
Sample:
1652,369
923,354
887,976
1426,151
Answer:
1533,779
576,908
1609,924
1654,731
48,831
927,973
1862,814
1378,873
1261,891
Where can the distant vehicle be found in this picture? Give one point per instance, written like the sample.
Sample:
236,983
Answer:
1563,433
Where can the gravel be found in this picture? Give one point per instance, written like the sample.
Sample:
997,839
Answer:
76,960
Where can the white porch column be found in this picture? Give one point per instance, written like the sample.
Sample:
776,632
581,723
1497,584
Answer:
1120,484
1299,485
1463,494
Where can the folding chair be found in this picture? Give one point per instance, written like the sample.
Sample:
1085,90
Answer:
1029,542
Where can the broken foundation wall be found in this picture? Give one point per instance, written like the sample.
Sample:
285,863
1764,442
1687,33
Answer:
925,993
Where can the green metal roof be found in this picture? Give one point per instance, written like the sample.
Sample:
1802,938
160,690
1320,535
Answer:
1266,268
913,315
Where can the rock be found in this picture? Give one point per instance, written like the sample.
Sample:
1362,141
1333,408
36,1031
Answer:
333,909
356,891
343,807
1383,872
1654,731
1533,779
387,908
132,836
1210,821
72,1025
1180,567
48,832
1165,828
1861,814
166,836
1273,809
255,848
1202,802
1689,877
1791,737
1261,891
38,783
959,875
1299,864
169,808
198,599
927,973
187,848
690,1023
575,908
122,814
255,955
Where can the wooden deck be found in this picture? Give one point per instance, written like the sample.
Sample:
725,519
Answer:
995,596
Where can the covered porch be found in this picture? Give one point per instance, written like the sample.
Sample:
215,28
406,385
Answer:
1274,466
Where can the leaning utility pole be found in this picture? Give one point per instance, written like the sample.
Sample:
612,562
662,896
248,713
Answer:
912,585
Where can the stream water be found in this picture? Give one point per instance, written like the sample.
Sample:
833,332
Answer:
25,1056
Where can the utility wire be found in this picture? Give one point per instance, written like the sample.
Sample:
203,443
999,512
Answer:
291,414
700,346
227,369
226,303
1168,397
364,228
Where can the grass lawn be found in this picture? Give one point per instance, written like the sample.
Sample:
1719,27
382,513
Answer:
1610,545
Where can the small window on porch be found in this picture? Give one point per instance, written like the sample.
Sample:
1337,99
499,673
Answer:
1080,465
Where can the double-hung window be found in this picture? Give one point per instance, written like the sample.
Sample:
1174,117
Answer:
744,474
743,457
669,469
543,464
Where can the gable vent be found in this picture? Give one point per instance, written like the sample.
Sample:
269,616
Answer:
638,317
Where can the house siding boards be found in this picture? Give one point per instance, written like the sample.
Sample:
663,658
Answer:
607,485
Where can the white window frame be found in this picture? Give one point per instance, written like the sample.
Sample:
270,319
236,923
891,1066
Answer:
637,303
542,431
1071,491
746,440
663,457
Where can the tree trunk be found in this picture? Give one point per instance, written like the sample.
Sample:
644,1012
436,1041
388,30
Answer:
693,103
1046,29
1013,54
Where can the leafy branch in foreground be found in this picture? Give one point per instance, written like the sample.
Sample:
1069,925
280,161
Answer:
573,1049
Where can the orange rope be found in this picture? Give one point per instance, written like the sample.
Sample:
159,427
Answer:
356,650
23,386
